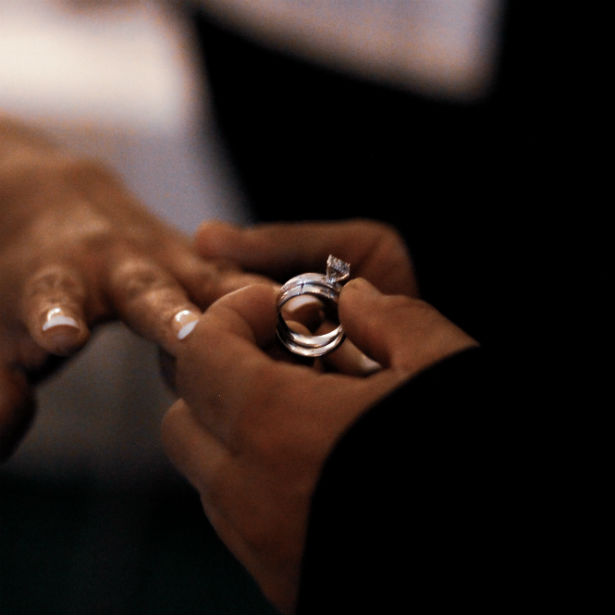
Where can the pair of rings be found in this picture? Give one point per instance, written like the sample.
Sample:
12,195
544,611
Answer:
325,287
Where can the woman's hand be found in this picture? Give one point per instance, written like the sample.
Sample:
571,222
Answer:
251,433
77,249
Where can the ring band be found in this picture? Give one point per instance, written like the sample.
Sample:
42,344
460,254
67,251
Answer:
326,287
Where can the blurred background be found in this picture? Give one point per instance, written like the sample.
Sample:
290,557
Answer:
92,517
119,82
246,111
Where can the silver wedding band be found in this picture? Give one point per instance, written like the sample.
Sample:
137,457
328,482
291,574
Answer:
327,288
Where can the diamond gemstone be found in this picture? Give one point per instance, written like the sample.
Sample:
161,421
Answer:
337,269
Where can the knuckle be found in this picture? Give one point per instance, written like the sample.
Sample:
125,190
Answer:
388,245
52,282
202,280
381,241
133,278
391,245
386,258
96,235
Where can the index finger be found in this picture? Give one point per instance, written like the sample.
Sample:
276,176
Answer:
149,299
374,250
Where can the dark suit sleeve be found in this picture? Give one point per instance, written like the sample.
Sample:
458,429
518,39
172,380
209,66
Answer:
424,500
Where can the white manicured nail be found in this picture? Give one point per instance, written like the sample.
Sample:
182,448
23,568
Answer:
56,317
184,322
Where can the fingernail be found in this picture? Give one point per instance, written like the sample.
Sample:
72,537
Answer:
184,323
369,366
57,317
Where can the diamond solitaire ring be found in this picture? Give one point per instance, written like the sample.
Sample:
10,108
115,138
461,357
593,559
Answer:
325,287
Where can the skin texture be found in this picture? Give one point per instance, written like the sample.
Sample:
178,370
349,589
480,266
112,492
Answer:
77,249
279,251
252,431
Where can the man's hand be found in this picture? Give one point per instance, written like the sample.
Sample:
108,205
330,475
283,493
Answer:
251,433
279,251
374,250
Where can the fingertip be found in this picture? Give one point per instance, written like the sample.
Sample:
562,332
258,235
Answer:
349,360
171,327
362,313
355,294
52,307
398,330
248,312
57,317
217,239
61,331
184,322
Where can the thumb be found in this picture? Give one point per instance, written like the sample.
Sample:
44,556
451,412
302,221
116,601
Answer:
16,409
397,331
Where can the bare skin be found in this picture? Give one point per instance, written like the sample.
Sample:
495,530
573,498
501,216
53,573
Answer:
251,432
77,249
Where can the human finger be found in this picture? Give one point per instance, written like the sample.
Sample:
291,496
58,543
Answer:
224,359
206,281
151,301
350,360
374,250
242,510
398,331
53,301
17,409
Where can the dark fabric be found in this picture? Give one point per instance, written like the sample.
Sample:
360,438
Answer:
428,501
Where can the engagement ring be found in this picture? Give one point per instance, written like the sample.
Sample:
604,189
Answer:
324,287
